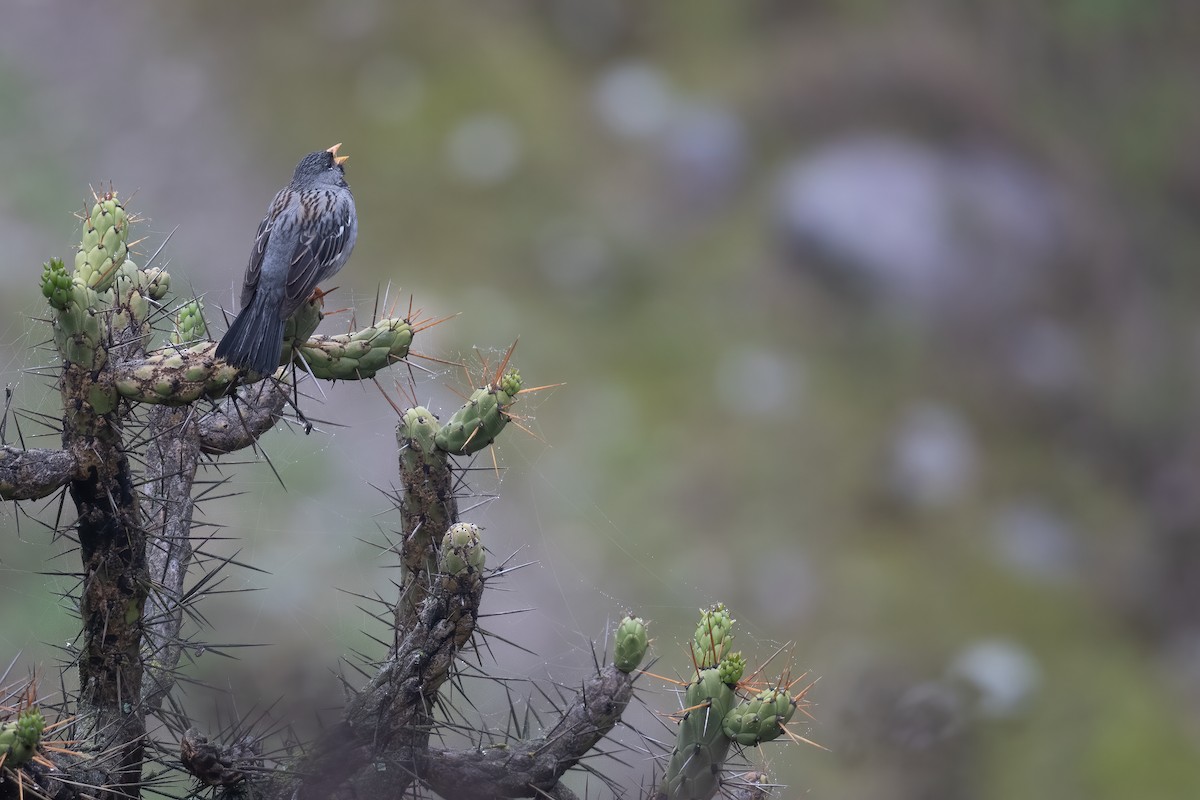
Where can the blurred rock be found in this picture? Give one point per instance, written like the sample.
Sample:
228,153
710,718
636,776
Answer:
633,99
926,715
932,230
1035,542
1005,675
704,154
1046,358
933,461
914,734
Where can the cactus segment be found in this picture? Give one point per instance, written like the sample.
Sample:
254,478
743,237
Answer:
19,738
299,327
761,718
176,377
79,331
102,249
360,355
630,644
479,421
693,772
428,506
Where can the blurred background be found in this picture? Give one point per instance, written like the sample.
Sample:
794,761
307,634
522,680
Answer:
876,321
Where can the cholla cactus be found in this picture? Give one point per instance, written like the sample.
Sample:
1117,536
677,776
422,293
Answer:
139,422
719,712
19,738
480,420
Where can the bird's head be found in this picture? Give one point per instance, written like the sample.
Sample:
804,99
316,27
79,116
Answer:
324,167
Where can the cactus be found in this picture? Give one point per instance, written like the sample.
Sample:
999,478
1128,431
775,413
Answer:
630,643
103,247
19,738
462,551
714,636
189,323
716,715
479,421
56,284
761,718
138,424
359,355
176,377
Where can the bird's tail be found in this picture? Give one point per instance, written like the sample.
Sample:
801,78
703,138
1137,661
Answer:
255,339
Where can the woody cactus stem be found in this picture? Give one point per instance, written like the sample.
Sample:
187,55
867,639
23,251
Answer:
428,506
112,540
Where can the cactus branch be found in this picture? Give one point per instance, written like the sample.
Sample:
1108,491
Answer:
530,767
239,420
34,474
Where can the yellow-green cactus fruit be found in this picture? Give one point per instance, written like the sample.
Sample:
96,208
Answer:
102,249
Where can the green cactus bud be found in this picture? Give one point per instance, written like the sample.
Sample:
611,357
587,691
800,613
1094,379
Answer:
732,667
360,355
714,636
19,738
510,384
462,550
479,421
759,719
155,283
102,249
56,283
189,323
630,644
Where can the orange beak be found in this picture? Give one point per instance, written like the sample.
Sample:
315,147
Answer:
339,160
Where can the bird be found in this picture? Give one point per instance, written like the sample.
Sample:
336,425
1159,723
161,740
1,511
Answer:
305,238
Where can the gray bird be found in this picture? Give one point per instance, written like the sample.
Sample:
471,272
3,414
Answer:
305,238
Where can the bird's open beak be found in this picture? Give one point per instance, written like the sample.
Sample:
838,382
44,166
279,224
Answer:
339,160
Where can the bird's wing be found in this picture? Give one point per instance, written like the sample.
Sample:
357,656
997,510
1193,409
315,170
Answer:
262,239
321,246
